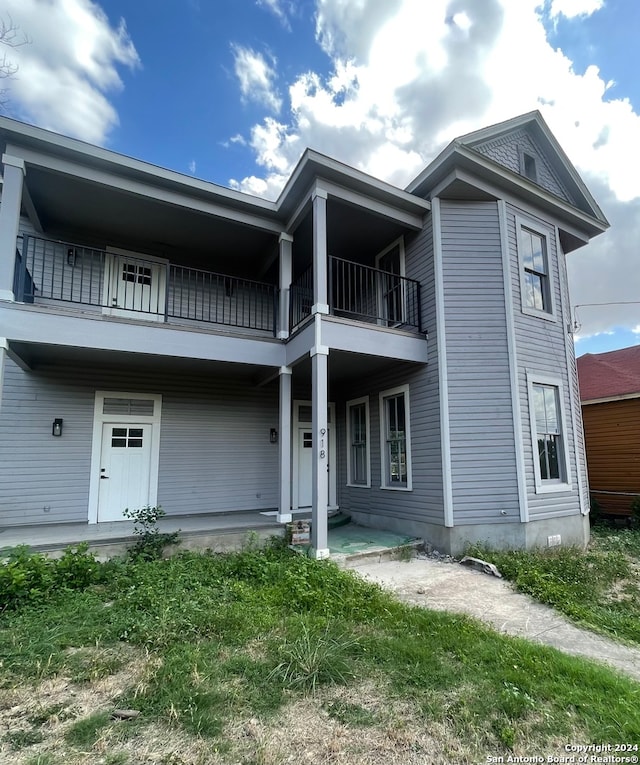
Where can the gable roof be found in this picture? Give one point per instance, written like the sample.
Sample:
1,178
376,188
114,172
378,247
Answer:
609,375
464,151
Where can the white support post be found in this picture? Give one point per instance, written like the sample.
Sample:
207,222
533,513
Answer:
320,455
13,177
320,292
284,446
286,266
3,360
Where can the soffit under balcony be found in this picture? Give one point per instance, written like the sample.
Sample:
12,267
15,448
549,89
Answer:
76,209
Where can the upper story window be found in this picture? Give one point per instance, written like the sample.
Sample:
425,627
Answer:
536,283
528,166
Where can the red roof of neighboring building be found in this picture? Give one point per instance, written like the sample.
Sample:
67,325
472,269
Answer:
605,375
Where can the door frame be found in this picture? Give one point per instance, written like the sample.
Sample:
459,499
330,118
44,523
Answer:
111,280
100,419
295,454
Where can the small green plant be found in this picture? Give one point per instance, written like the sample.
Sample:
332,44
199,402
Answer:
150,541
313,658
635,510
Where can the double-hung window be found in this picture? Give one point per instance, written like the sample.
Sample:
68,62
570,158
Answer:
548,431
536,283
358,471
395,438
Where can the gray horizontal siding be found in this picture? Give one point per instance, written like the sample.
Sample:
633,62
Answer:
215,454
540,345
425,502
483,466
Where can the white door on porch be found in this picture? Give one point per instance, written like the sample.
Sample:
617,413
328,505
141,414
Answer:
303,467
125,469
134,285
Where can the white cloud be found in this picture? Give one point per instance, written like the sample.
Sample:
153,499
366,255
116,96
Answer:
65,76
192,167
408,76
573,8
256,77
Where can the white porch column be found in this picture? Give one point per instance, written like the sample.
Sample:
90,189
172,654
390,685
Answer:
3,360
320,299
286,249
320,453
284,446
13,175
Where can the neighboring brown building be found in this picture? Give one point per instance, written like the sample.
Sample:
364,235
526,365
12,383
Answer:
610,396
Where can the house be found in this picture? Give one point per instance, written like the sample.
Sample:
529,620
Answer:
404,355
610,394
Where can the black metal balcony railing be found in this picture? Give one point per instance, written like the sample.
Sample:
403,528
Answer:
300,298
361,293
123,284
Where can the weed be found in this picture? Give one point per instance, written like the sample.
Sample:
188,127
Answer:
350,714
150,541
44,758
314,657
19,739
84,733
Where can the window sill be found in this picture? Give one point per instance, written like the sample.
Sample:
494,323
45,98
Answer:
553,488
358,485
539,314
396,488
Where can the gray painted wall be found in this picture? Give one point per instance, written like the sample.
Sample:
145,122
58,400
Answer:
483,465
424,503
540,347
215,453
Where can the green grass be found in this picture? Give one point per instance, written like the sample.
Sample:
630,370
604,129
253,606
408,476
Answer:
598,588
241,636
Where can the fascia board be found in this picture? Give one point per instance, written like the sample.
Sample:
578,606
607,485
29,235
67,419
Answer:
19,136
503,177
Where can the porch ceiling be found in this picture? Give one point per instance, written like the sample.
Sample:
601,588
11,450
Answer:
349,368
74,208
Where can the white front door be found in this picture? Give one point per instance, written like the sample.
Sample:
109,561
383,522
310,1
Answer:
305,466
303,463
134,285
125,469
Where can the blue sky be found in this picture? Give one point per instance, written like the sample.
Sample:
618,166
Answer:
233,91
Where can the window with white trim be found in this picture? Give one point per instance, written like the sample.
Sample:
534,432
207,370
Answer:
548,431
535,278
358,470
395,438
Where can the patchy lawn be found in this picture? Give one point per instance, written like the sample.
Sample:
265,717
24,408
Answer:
265,657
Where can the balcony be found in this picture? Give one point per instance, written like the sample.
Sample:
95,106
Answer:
117,284
360,293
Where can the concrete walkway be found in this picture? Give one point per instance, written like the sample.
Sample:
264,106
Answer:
452,587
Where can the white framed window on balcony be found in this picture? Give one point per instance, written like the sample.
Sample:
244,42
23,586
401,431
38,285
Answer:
358,440
536,280
548,434
395,439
